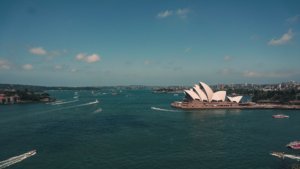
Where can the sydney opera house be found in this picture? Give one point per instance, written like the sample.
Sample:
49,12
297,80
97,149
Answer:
202,96
204,93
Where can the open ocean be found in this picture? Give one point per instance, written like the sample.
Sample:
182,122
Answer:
123,132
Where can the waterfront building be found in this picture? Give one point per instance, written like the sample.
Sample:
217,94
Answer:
201,96
203,93
5,99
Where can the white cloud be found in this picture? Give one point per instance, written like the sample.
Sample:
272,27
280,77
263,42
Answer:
273,74
55,53
252,74
27,67
165,14
61,68
182,13
80,56
254,37
225,71
293,19
73,70
58,67
285,38
4,65
92,58
38,51
227,58
147,62
49,54
187,50
229,71
88,58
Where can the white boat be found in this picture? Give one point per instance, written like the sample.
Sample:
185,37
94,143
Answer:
96,101
31,153
280,116
16,159
282,155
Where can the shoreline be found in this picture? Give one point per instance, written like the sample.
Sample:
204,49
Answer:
197,105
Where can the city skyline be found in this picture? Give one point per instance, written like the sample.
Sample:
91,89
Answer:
101,43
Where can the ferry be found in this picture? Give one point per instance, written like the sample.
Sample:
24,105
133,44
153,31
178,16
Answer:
282,155
294,145
280,116
16,159
30,153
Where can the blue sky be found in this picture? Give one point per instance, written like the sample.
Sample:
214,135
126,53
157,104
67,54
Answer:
100,43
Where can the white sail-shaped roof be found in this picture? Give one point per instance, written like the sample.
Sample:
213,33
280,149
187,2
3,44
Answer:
219,96
235,99
201,94
192,94
209,92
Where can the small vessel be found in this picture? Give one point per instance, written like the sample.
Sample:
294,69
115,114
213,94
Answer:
98,110
294,145
282,155
160,109
30,153
96,101
16,159
277,154
280,116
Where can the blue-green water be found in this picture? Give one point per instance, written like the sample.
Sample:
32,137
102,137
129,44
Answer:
122,131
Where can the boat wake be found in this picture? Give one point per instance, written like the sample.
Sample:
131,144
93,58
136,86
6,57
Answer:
160,109
282,155
16,159
70,107
80,105
59,103
90,103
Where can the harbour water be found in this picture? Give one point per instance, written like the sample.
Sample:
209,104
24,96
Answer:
137,129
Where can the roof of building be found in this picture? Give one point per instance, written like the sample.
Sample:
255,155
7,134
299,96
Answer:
200,93
209,92
203,92
219,96
192,94
235,99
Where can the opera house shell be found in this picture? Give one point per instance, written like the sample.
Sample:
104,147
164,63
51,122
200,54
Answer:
201,96
204,93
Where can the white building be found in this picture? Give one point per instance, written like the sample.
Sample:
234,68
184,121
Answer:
204,93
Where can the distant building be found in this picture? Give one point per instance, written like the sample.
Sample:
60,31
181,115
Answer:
204,93
4,99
